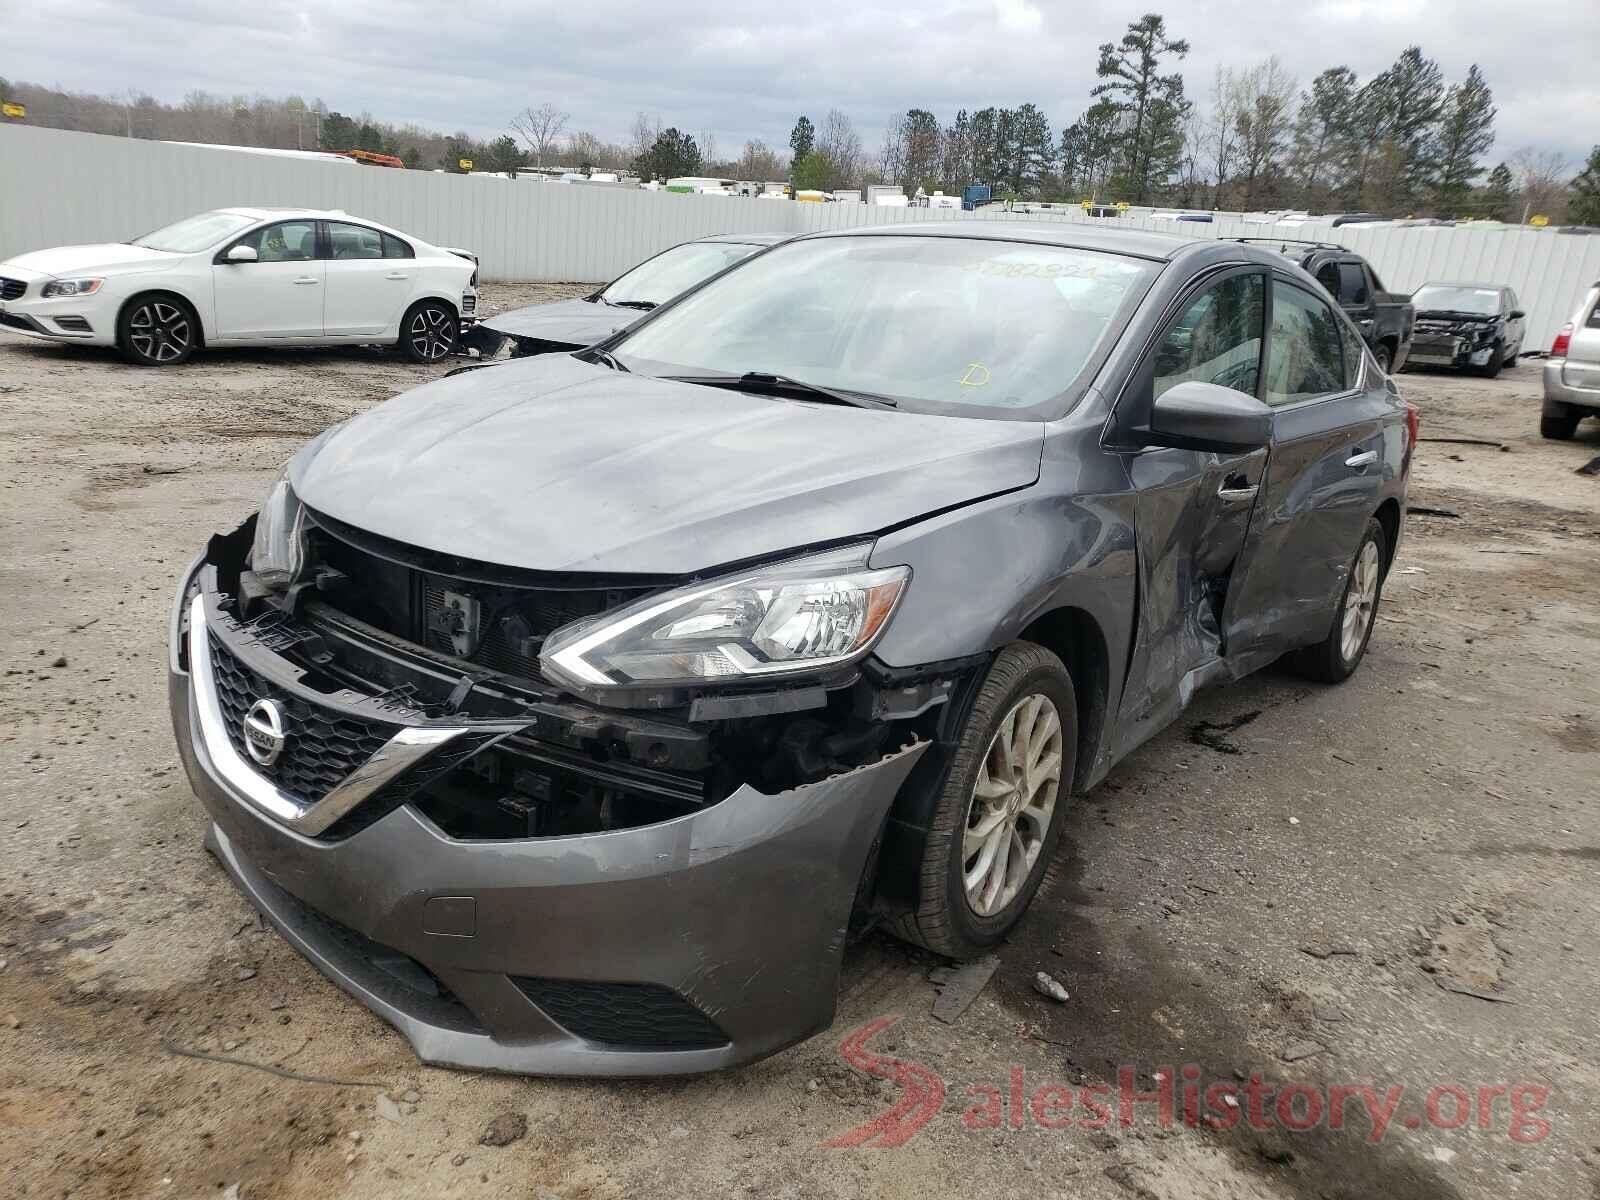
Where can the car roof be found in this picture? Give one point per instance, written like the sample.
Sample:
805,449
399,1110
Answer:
748,239
325,214
1141,243
1498,287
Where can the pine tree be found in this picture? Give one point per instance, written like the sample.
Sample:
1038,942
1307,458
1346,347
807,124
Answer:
1323,130
1414,98
1466,132
802,138
1584,206
1154,102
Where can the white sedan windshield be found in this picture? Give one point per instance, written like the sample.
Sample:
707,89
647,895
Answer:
933,323
194,233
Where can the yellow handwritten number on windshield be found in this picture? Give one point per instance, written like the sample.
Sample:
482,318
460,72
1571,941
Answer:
977,375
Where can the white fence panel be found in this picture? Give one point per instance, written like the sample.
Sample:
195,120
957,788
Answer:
59,187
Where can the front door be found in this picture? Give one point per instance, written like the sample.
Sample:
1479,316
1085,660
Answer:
1321,486
1192,508
371,275
279,295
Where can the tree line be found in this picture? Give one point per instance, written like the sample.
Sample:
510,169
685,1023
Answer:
1406,141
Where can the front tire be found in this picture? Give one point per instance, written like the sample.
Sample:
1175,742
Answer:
1385,357
1497,359
1336,657
157,330
429,331
998,816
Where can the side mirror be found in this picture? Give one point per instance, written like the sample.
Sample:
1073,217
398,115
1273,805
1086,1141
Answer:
1517,314
1205,416
239,254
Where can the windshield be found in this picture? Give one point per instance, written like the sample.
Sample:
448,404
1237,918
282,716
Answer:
1436,297
937,324
677,270
194,233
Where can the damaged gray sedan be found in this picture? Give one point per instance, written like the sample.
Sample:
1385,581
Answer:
573,711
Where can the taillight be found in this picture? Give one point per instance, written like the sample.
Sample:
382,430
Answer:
1558,348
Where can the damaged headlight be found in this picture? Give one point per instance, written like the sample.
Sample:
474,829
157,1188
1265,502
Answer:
821,611
279,548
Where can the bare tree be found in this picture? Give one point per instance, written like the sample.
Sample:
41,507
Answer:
839,142
1222,131
1542,177
892,157
708,147
1263,121
759,162
642,134
540,128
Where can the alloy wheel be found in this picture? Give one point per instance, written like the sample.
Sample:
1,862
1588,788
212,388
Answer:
1012,802
432,333
1359,602
160,331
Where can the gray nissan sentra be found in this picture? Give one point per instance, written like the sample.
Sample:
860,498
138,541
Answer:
573,711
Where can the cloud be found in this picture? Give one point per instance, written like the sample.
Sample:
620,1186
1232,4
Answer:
748,70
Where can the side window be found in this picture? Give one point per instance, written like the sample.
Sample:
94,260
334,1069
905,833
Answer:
353,241
393,247
1217,337
1328,277
287,241
1355,354
1305,357
1352,284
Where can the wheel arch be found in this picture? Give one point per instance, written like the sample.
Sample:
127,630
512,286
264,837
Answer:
1074,636
194,307
1388,515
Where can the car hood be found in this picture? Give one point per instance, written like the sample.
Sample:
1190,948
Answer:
573,322
554,464
69,260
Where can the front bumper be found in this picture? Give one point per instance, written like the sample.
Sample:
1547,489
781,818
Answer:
728,922
1449,351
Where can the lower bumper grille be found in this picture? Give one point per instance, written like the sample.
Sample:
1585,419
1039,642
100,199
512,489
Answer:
321,749
631,1016
17,321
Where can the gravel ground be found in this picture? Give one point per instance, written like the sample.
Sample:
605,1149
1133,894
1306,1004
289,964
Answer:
1390,883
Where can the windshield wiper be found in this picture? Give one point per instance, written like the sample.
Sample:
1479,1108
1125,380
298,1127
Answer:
646,305
767,381
609,359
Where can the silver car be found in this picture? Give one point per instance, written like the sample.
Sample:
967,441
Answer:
1572,372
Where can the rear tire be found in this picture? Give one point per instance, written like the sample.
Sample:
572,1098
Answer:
429,331
157,329
1558,422
998,817
1336,657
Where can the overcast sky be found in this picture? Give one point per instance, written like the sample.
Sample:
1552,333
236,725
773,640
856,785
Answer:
747,70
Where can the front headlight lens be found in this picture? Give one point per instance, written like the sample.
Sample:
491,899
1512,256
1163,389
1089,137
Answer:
278,550
71,287
821,611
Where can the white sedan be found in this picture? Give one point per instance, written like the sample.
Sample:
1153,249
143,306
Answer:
245,277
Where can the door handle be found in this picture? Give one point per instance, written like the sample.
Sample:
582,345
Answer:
1237,495
397,275
304,279
1363,459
